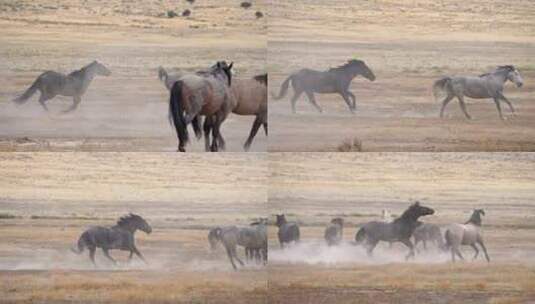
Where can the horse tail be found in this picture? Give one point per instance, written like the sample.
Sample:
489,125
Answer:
361,234
284,88
176,112
441,85
28,93
81,244
297,234
162,74
447,238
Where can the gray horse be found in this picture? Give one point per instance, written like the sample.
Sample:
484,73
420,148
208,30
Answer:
334,80
51,84
334,231
120,236
253,239
489,85
467,234
400,230
288,231
427,232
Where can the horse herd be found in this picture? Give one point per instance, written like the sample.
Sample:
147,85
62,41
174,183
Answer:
407,229
213,93
210,93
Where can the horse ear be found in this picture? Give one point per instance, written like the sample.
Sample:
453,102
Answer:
417,203
230,65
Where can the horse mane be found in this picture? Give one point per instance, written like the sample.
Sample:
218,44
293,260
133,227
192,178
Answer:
345,65
127,219
475,218
262,78
499,68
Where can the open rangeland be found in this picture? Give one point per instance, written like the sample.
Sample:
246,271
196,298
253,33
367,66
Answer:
314,188
408,45
49,199
126,111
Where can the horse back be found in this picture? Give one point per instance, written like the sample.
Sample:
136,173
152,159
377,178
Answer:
251,96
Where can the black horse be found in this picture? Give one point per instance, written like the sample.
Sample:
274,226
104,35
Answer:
288,231
400,230
335,80
120,236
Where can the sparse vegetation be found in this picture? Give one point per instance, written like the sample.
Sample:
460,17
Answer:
351,145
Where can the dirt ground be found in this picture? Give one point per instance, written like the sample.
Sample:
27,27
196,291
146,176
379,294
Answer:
312,188
408,45
128,110
49,199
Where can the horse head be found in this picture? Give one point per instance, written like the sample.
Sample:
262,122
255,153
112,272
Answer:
214,236
100,69
222,66
281,219
416,210
134,222
338,221
360,67
513,75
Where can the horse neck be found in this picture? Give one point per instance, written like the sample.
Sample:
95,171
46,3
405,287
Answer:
475,219
500,75
408,217
128,228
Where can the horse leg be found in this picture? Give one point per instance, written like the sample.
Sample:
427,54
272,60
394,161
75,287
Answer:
312,101
75,102
107,254
42,99
502,97
236,256
139,254
92,251
408,243
458,252
207,127
463,107
497,102
444,103
371,247
196,124
256,125
480,242
230,257
294,99
348,102
476,250
217,139
425,244
354,99
130,256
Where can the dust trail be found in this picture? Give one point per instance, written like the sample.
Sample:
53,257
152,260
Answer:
317,252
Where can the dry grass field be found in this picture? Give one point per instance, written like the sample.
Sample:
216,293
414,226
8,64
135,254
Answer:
408,44
128,110
49,199
312,188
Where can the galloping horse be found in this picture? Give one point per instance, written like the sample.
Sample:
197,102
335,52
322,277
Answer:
489,85
335,80
205,93
75,84
400,230
467,234
120,236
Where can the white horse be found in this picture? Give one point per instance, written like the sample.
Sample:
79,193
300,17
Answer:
466,234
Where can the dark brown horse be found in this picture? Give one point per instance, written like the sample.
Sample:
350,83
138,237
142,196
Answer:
205,93
335,80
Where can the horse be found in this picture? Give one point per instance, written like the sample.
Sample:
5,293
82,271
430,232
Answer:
120,236
250,96
467,234
334,232
399,230
334,80
205,93
488,85
288,231
253,239
261,253
51,83
427,232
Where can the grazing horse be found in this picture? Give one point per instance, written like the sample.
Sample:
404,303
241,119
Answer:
288,231
51,84
427,232
400,230
467,234
205,93
120,236
489,85
253,239
250,96
335,80
334,232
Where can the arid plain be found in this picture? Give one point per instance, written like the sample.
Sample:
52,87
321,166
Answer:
408,45
126,111
49,199
313,188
